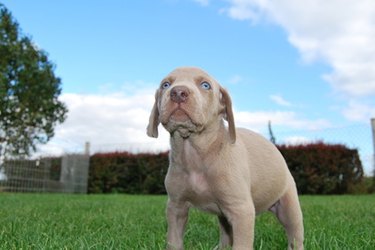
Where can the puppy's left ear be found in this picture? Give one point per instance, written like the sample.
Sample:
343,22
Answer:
152,128
228,114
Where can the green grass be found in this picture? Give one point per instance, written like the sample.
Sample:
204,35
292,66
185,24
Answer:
54,221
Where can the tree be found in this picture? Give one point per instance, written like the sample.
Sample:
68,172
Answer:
29,91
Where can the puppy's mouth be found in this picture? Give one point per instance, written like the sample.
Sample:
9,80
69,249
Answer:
179,115
180,120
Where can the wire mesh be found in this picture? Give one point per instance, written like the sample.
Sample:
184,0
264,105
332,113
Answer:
68,174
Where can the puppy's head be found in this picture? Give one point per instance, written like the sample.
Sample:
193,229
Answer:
190,101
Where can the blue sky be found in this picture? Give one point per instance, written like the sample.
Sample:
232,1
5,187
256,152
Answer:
306,66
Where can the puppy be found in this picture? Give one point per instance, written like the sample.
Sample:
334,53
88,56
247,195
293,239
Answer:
233,173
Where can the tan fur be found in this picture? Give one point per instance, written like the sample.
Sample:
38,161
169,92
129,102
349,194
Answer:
233,173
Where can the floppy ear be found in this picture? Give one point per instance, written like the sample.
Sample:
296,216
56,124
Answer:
153,123
228,114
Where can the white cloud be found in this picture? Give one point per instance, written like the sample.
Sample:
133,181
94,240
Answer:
113,122
109,122
340,33
259,120
278,99
358,111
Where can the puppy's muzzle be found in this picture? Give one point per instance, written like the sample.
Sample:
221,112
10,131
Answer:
179,94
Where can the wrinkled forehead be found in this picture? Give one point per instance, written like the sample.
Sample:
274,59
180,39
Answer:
190,74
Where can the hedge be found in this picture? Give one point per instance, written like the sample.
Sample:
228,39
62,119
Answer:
318,168
123,172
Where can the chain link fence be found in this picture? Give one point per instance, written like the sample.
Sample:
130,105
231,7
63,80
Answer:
66,174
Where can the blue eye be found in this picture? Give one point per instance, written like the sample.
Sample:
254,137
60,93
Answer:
205,85
165,85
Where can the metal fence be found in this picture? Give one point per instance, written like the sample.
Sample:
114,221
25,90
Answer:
68,174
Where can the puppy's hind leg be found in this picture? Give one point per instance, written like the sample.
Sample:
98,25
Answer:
288,211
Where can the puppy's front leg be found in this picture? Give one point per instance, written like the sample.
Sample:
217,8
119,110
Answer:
242,219
177,215
226,236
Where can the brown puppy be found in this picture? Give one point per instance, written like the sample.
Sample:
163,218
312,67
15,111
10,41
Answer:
233,173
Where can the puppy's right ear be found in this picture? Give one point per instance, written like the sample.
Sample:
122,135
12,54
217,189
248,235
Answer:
228,114
152,128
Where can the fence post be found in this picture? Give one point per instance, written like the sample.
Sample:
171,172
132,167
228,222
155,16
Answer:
87,148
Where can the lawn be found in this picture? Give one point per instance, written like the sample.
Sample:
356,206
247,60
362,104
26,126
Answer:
55,221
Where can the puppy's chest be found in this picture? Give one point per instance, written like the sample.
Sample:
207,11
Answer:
195,186
199,193
195,176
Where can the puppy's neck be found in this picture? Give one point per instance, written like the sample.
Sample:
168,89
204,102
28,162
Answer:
209,141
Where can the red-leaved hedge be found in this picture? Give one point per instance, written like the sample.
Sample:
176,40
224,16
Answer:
317,168
124,172
320,168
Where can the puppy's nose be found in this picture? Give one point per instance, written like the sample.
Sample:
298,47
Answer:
179,94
